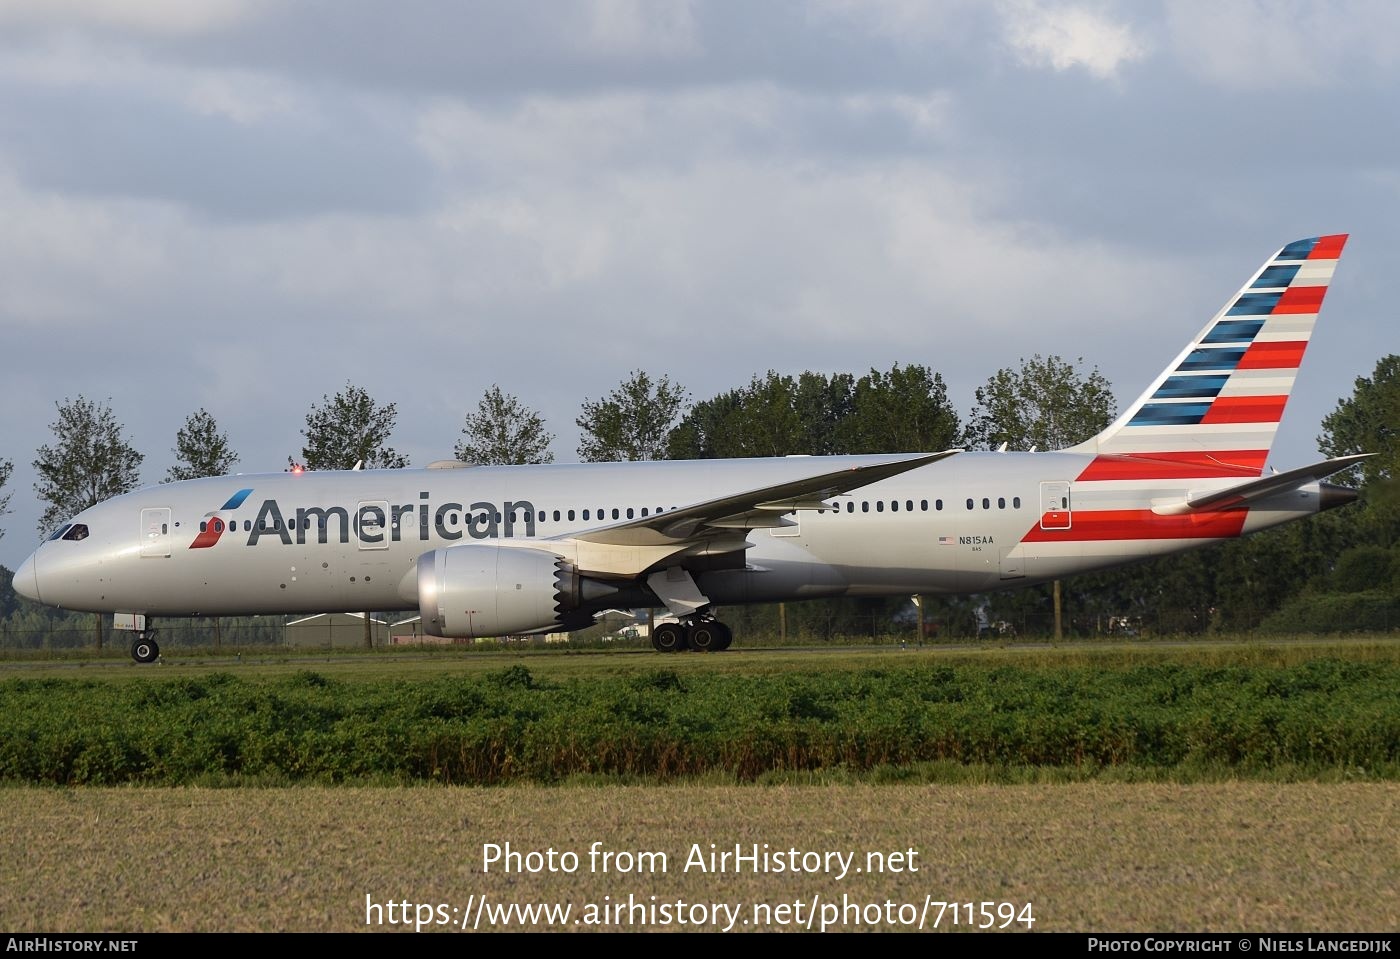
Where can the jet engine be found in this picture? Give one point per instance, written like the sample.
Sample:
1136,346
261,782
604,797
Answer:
474,591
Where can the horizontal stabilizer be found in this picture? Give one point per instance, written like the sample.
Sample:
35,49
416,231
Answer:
1246,493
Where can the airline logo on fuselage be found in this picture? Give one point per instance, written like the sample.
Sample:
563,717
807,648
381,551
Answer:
374,523
214,525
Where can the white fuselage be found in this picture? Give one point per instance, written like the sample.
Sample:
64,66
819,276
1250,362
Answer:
350,541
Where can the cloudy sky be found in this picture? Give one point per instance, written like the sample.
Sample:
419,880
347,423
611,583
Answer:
243,204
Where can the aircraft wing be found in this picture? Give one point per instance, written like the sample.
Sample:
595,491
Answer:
1246,493
754,508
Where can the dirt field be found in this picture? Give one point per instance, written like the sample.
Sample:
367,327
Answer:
1086,857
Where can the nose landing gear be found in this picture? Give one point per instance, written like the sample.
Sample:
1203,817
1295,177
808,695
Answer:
144,648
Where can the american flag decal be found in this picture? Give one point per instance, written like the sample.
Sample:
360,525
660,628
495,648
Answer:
945,541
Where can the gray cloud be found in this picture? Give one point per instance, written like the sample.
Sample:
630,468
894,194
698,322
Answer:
243,210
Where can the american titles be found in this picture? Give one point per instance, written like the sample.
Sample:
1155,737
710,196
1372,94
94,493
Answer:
379,522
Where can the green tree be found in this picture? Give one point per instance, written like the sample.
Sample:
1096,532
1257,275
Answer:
1368,422
632,422
6,468
903,411
757,420
350,428
200,449
823,403
775,415
89,462
708,430
1046,404
503,432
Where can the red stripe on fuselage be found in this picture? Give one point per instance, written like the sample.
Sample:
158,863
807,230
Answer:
1119,524
1271,355
1194,465
1246,409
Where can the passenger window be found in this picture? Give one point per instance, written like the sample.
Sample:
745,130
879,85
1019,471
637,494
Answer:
969,504
1001,502
571,515
585,514
986,503
851,506
203,526
879,506
644,511
938,504
616,515
629,512
865,506
909,505
1016,501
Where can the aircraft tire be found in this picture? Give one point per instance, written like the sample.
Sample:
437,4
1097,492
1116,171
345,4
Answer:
705,637
668,638
145,650
725,638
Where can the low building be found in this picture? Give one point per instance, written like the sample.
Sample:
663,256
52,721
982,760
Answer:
334,631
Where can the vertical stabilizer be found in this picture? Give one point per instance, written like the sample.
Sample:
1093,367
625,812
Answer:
1214,410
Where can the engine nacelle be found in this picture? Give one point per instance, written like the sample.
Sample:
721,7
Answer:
475,591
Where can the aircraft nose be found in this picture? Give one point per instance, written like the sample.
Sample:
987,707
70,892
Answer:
26,581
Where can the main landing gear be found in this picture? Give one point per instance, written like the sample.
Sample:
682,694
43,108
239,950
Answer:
695,627
702,635
144,648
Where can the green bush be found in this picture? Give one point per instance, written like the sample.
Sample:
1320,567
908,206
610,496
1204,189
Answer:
1368,611
1319,715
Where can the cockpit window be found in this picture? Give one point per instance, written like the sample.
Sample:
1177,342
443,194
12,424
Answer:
58,533
76,532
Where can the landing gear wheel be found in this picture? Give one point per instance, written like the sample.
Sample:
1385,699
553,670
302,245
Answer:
725,637
145,650
668,638
705,637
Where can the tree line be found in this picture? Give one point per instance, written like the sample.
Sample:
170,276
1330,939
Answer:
1338,571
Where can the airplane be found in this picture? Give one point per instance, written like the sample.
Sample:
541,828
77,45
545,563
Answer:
486,551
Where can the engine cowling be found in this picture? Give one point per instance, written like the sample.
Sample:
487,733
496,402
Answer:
478,591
